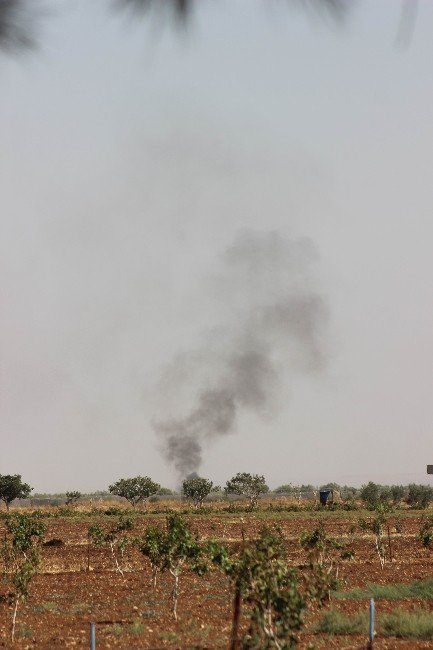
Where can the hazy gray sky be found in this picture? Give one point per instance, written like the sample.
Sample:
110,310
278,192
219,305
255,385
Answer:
132,157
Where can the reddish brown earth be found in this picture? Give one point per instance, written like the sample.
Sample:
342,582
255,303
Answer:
129,613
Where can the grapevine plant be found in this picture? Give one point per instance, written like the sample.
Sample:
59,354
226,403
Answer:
171,549
115,537
20,554
262,579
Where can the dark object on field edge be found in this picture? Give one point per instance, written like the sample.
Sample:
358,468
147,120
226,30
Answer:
53,542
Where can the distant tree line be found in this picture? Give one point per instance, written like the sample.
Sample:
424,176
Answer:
416,496
140,489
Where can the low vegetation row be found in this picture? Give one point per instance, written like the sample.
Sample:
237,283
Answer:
417,624
140,489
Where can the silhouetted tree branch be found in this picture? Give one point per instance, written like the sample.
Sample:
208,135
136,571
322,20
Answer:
19,18
16,25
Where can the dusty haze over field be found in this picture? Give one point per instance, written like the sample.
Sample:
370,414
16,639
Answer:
133,157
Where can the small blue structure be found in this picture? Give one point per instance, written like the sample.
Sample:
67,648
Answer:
324,496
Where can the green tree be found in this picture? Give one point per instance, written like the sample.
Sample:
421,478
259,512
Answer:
397,493
171,550
419,496
197,489
289,488
348,493
165,492
135,490
370,494
20,552
262,579
249,485
286,488
385,494
12,487
72,498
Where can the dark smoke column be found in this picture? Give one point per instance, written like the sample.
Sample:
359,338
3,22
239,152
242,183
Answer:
275,334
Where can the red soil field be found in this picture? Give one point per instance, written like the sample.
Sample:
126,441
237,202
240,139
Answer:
65,597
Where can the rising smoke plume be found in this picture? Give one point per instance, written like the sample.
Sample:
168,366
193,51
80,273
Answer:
272,331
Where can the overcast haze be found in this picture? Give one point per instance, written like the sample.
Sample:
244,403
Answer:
133,157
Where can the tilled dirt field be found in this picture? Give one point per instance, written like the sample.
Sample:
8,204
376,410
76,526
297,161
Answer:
65,596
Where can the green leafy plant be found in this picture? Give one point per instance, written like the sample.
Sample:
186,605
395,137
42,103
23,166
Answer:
426,532
322,577
151,545
249,485
136,627
114,630
135,490
417,624
115,537
171,549
318,545
24,631
113,511
335,622
20,553
377,525
262,579
12,487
